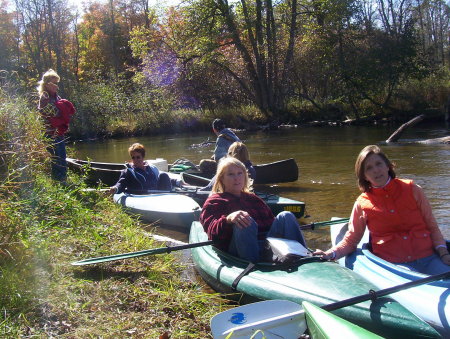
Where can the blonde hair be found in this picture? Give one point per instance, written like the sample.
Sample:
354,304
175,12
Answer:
46,78
137,147
239,151
224,163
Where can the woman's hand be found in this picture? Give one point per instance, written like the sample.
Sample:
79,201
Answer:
446,259
328,255
240,218
113,190
442,252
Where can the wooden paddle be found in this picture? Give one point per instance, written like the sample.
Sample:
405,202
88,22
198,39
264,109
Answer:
242,321
160,250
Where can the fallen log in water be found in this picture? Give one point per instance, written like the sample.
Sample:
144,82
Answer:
396,135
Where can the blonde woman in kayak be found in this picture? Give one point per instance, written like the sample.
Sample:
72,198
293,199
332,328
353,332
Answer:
239,221
398,215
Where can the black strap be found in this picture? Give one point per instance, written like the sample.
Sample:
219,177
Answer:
246,271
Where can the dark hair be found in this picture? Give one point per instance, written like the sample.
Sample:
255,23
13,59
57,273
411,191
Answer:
218,124
137,147
363,184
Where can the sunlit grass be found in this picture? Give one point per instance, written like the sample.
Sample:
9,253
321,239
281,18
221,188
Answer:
45,226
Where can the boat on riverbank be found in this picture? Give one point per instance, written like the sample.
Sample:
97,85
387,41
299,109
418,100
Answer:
276,203
108,173
431,302
284,319
310,279
166,208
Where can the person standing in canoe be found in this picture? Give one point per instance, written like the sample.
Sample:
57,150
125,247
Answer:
140,176
56,113
225,137
398,215
239,221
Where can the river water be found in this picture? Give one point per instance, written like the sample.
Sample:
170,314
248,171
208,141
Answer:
325,156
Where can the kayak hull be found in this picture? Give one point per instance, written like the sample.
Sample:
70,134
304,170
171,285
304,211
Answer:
275,319
166,208
314,281
431,302
325,325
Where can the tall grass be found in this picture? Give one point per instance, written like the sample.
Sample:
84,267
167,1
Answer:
44,226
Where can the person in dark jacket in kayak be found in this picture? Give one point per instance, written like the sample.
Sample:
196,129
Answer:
398,215
140,176
239,221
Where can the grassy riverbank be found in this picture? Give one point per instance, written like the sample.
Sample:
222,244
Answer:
44,226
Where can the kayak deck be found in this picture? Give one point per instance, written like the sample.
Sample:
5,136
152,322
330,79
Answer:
431,302
168,208
317,282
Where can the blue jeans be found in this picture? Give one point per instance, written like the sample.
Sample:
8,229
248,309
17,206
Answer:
59,165
428,265
244,242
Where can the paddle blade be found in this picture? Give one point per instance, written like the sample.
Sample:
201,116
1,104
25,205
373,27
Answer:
269,319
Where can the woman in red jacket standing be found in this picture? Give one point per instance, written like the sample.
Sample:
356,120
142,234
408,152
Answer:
398,215
56,113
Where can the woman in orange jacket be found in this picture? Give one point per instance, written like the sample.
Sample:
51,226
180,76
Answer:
398,215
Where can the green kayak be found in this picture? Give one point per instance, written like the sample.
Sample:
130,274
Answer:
313,281
325,325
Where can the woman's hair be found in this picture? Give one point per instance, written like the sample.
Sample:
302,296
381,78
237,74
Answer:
239,151
46,78
363,184
224,163
137,147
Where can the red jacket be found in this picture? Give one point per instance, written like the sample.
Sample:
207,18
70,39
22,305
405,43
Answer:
61,121
397,228
219,205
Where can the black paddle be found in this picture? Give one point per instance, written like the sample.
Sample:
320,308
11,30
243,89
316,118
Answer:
372,295
160,250
169,249
313,225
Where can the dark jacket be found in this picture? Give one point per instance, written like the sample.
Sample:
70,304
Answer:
138,180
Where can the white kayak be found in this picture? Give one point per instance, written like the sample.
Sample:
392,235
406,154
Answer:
278,319
431,302
166,208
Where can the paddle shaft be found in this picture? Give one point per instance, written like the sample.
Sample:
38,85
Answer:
160,250
313,225
372,295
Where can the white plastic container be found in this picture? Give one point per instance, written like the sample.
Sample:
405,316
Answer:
160,163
